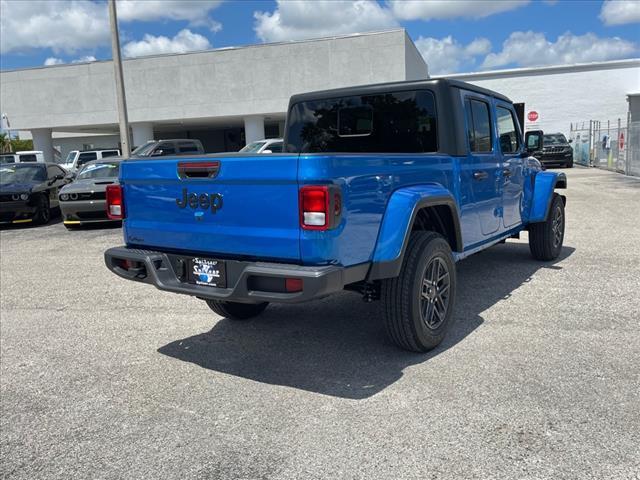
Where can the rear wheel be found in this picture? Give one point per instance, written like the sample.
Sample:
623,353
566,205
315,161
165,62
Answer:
43,211
235,310
546,238
418,304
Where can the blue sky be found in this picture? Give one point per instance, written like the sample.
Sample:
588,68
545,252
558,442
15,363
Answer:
454,36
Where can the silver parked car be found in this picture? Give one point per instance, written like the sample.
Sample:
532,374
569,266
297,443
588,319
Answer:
84,201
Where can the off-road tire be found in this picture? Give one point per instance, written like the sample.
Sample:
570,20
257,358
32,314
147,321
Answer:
403,296
235,310
43,210
545,241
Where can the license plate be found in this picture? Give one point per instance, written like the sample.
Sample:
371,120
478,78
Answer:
205,271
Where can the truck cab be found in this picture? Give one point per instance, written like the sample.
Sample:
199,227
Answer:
380,190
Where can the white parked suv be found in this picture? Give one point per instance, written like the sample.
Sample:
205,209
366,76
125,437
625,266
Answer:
23,156
270,145
76,159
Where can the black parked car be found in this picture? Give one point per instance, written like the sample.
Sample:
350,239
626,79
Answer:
29,191
556,151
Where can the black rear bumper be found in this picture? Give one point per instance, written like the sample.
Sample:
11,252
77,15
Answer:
166,272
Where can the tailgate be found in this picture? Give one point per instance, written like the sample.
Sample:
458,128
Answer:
236,205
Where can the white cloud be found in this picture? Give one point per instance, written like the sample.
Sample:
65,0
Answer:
63,26
532,48
69,26
53,61
620,12
184,41
58,61
85,59
195,11
445,9
295,20
447,55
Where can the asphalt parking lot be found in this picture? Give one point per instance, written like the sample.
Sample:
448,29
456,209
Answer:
539,378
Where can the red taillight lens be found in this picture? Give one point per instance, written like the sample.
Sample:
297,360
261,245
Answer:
320,207
314,207
115,204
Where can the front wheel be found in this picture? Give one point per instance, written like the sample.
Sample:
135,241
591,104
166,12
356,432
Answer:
43,211
546,238
418,304
235,310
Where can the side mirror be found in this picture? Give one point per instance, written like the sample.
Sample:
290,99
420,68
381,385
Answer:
267,151
571,140
533,140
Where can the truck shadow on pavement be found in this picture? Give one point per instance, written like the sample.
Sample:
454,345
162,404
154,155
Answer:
337,346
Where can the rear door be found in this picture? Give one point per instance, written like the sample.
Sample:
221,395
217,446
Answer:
509,141
483,165
223,205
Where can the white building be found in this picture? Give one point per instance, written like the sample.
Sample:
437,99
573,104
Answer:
227,97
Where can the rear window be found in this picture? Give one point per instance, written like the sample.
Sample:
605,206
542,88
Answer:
188,147
87,157
397,122
275,147
100,170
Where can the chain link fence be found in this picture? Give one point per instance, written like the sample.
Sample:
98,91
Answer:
608,145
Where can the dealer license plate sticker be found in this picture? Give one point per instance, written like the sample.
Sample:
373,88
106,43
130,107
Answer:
204,271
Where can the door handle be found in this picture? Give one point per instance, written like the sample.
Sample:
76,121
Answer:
506,172
480,175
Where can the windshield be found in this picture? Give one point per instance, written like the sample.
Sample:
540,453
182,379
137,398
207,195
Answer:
99,170
71,156
556,139
253,147
144,150
22,174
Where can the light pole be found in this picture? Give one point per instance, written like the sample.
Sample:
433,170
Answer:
117,67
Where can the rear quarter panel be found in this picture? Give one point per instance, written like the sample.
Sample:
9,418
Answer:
367,182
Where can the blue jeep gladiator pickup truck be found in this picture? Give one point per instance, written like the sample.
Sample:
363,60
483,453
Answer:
380,190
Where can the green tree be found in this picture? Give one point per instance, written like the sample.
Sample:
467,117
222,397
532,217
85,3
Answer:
5,144
19,145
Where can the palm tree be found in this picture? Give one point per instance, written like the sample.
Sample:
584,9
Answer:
5,143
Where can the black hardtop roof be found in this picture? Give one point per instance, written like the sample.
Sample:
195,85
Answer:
435,84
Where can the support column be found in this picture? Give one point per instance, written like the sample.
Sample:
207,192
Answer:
42,141
253,128
142,133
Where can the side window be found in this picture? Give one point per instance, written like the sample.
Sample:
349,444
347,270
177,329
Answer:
507,132
28,158
393,122
187,147
87,157
479,126
167,149
275,147
109,153
356,121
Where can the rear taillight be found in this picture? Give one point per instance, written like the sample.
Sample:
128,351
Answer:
320,207
115,203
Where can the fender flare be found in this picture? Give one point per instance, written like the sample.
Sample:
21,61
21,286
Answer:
400,214
545,184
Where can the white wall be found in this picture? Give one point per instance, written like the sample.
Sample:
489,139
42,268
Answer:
240,81
562,95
